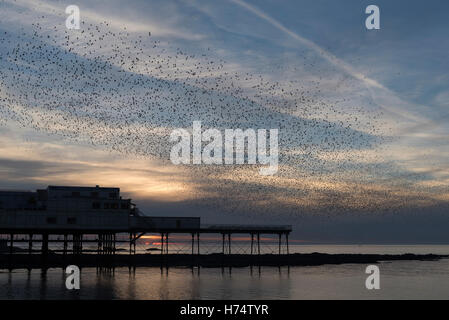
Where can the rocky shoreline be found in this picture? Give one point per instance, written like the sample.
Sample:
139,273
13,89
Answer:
26,261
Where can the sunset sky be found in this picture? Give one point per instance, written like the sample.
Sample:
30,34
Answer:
362,114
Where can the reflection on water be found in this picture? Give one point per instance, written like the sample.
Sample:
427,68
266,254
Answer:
401,279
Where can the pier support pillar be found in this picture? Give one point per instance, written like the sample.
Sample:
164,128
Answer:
99,242
114,244
30,243
77,243
11,243
162,243
45,244
198,242
134,243
252,242
280,242
106,247
80,244
258,243
166,243
64,250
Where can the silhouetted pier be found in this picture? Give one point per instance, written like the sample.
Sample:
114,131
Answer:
72,240
71,217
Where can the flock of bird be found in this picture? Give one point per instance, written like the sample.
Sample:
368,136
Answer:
125,92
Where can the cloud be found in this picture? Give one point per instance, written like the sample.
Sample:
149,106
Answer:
383,96
41,160
339,154
158,28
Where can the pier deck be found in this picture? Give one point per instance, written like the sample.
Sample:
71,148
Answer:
106,239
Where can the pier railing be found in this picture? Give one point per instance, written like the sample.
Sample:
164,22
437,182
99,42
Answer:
245,228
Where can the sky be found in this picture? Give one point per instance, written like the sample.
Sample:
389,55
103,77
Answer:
362,114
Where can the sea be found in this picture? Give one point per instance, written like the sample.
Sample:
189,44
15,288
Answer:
398,279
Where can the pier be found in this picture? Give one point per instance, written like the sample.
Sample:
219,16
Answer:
72,217
73,240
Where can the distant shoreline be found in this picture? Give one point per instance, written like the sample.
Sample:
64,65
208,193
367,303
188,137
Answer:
25,261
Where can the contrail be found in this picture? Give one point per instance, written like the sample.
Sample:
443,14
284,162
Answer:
369,83
326,55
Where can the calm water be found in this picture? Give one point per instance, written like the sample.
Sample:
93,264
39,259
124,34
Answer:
399,280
